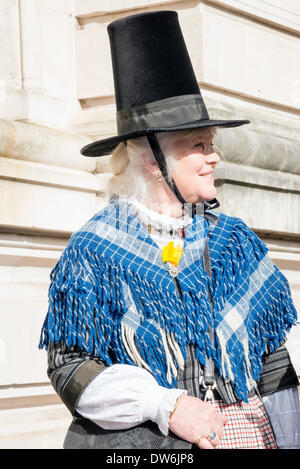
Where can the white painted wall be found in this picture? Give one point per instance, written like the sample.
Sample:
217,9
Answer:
56,95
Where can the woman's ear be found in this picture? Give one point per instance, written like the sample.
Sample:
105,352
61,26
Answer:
150,165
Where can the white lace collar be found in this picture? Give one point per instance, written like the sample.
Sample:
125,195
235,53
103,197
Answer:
157,221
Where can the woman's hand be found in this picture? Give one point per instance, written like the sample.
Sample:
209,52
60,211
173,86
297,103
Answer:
194,418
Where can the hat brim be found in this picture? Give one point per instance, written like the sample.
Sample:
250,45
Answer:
106,146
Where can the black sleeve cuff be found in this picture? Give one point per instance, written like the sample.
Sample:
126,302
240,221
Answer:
83,375
278,373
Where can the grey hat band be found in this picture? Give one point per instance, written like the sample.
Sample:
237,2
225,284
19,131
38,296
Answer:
167,112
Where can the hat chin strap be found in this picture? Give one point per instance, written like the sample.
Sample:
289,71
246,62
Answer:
158,154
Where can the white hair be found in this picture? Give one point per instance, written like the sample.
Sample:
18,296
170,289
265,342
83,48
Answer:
130,178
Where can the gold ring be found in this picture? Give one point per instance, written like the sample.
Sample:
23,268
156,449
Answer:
199,439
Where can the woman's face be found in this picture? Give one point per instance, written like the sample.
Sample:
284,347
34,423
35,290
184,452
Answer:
196,161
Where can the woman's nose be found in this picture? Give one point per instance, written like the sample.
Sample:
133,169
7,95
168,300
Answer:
213,157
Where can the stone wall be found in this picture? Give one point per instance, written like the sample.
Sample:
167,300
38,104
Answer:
56,95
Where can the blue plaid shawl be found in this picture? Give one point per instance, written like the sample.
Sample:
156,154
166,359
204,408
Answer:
112,296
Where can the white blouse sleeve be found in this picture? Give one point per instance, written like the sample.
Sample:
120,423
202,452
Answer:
123,396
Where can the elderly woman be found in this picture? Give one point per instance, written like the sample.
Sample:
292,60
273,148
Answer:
166,318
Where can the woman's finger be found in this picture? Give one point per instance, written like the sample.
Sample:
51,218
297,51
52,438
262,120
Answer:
214,439
203,443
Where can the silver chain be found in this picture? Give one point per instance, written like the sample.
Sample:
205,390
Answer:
209,371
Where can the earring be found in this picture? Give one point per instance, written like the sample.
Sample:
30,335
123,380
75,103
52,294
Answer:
158,176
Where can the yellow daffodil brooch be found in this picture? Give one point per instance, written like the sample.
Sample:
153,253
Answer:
172,254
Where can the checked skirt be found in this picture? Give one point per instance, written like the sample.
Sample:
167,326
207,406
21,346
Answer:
248,425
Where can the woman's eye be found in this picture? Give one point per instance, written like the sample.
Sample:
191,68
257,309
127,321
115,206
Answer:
202,146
